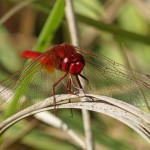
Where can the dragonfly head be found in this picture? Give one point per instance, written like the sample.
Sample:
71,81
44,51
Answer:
73,64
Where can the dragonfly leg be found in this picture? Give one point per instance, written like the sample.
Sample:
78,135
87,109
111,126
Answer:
69,85
69,82
87,81
54,86
84,78
80,86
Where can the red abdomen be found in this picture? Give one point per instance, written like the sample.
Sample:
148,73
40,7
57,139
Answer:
30,54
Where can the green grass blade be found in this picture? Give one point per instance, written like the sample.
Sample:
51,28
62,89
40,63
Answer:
118,32
51,25
53,21
12,107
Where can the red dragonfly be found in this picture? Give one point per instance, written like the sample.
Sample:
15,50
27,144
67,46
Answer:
58,70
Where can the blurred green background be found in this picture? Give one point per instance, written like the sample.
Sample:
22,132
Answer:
106,26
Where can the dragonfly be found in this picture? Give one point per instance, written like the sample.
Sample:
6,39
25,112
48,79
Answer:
63,69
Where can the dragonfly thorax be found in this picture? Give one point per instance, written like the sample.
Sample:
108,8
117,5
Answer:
64,50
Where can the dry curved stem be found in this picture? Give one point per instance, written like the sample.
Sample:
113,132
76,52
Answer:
128,114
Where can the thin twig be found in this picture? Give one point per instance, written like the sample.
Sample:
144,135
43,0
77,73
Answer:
14,10
71,23
74,37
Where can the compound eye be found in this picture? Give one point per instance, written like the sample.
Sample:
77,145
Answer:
66,63
73,64
76,68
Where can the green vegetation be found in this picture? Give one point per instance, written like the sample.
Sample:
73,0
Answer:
103,27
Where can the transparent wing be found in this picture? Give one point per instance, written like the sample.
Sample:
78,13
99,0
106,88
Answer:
33,82
110,78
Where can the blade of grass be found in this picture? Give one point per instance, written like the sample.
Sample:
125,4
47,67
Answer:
117,31
51,25
53,21
114,29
